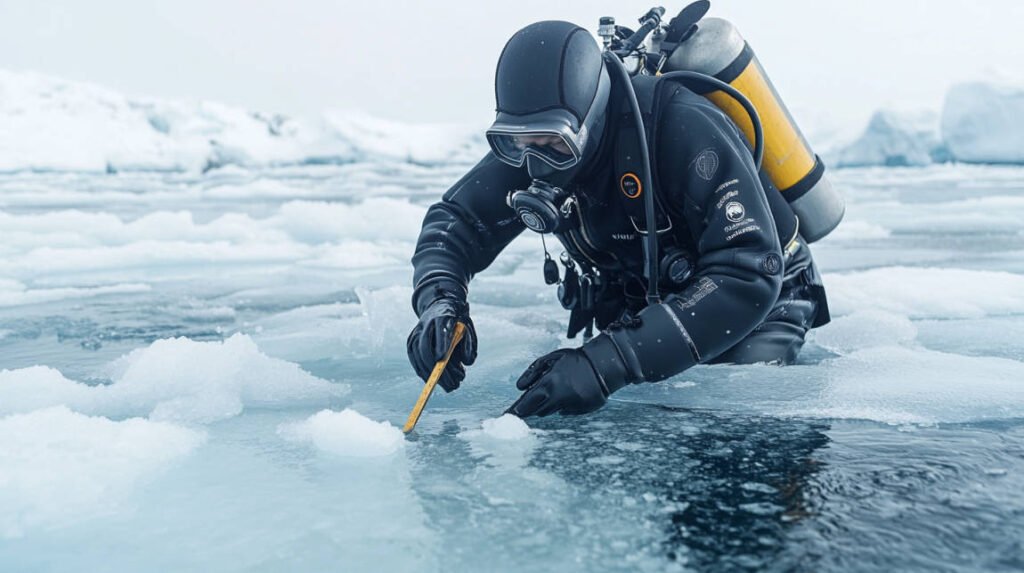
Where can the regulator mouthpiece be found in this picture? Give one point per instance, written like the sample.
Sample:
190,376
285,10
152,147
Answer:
542,207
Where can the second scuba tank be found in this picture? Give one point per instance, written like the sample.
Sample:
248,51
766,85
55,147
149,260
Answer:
717,49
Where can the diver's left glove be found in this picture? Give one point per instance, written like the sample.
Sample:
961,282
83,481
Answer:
430,338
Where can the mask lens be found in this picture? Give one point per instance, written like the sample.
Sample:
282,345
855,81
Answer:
552,148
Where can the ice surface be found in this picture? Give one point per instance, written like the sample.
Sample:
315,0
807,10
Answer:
346,433
173,379
313,234
417,143
854,230
58,466
901,385
984,123
927,292
56,124
865,329
13,293
1002,214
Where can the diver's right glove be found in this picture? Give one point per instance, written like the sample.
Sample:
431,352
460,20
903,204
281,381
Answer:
572,381
430,338
561,382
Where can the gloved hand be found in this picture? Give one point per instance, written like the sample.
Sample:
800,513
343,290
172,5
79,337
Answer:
429,340
564,382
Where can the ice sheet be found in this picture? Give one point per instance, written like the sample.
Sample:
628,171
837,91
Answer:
254,297
901,385
927,292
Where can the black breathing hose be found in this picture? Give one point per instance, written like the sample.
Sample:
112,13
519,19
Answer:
651,264
647,187
735,94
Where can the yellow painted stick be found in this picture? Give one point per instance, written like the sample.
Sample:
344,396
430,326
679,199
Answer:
428,388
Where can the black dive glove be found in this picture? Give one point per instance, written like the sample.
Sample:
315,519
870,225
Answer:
562,382
578,380
429,340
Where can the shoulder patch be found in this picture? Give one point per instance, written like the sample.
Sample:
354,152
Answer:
706,164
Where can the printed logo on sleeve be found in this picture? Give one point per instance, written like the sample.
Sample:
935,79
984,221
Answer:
735,212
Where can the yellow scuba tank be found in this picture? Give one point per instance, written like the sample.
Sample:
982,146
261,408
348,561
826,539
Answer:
717,49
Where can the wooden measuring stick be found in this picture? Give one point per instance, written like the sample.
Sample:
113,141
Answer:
435,375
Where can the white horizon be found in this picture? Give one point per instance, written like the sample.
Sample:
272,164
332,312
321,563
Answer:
411,63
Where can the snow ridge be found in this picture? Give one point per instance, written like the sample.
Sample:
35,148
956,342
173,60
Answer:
51,124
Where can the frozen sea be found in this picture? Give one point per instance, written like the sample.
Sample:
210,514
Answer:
204,372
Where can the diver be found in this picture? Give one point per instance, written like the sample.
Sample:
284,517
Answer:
738,279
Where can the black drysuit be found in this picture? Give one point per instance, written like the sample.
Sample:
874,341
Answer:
749,299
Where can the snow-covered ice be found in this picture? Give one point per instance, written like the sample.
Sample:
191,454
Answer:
58,467
56,124
346,433
928,292
865,329
173,379
505,427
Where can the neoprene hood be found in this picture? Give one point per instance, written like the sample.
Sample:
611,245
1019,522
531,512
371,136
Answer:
550,81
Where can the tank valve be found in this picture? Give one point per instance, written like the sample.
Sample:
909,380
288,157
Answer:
606,29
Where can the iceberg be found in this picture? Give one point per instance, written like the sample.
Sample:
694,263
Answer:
980,122
984,123
894,139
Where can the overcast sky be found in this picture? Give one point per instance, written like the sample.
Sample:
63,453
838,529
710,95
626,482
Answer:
434,60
